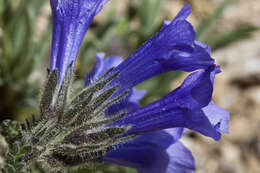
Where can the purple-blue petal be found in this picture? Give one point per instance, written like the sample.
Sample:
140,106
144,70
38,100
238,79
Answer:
203,45
137,96
102,65
181,159
183,13
172,48
71,20
130,103
154,152
218,116
180,108
198,58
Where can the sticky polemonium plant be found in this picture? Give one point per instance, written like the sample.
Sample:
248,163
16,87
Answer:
104,122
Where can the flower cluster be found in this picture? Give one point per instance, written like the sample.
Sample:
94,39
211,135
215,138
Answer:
104,122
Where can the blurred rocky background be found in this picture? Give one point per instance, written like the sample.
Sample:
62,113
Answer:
230,27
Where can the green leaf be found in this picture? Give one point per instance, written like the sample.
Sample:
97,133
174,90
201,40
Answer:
16,14
239,33
1,6
147,14
1,82
41,48
209,22
35,6
24,60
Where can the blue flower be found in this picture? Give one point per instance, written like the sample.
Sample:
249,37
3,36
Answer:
189,106
160,124
71,19
155,152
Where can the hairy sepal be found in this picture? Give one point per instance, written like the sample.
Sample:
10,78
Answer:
76,132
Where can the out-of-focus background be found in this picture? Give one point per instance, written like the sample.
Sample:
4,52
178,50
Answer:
230,27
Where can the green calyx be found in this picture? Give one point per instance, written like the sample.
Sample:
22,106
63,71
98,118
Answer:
69,132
